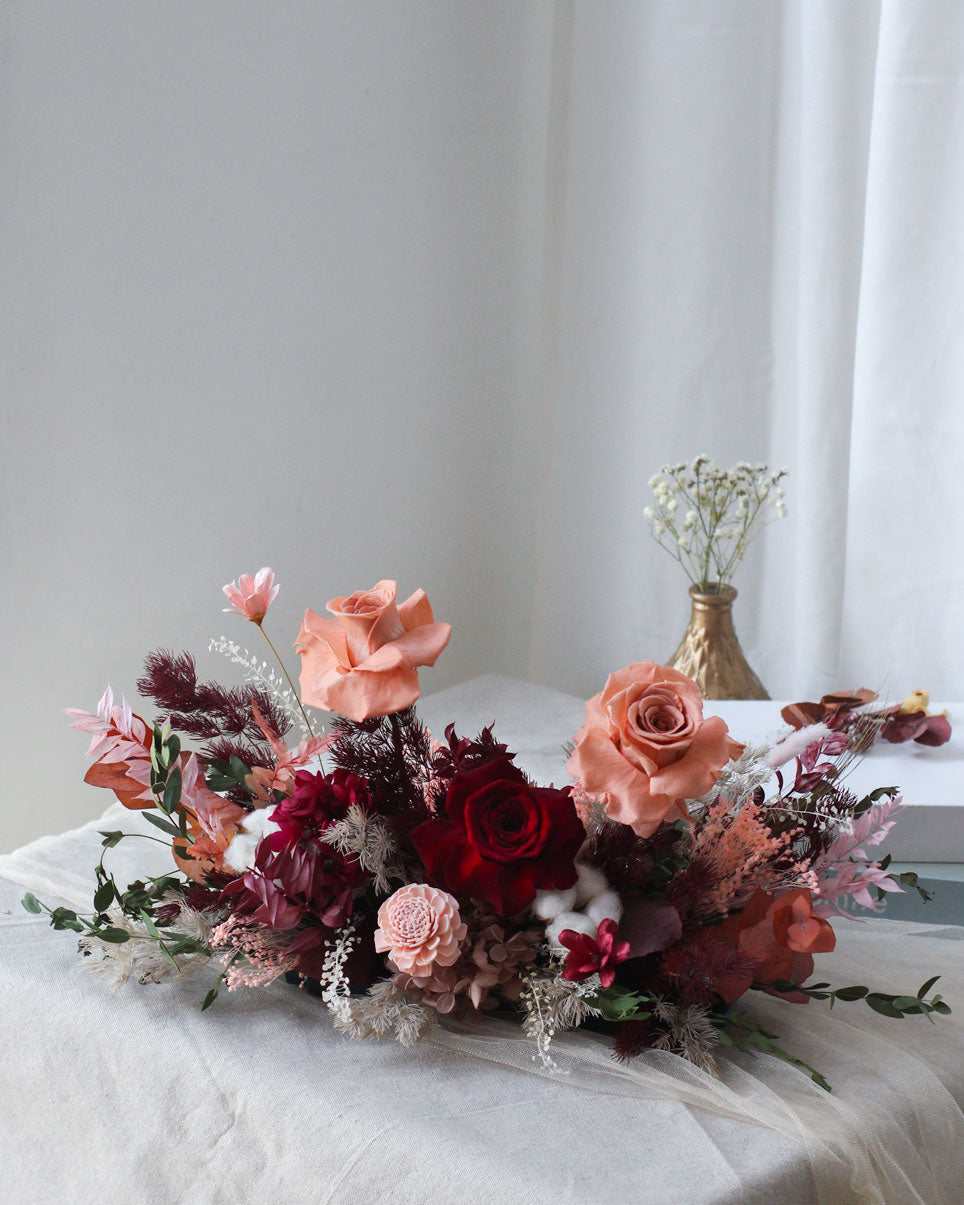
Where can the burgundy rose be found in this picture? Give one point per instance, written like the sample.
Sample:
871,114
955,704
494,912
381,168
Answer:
502,840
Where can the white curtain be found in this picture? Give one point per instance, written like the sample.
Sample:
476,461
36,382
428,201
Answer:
428,291
757,213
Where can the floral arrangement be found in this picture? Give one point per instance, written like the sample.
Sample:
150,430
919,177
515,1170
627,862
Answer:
405,879
706,517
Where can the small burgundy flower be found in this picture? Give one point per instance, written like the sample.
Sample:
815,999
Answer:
591,955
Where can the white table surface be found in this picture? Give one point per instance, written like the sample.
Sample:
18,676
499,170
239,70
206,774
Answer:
136,1096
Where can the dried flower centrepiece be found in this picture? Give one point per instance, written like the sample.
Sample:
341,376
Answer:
404,879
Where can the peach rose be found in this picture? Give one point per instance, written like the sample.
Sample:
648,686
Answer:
420,928
645,747
363,662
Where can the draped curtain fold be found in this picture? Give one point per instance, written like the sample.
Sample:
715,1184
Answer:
758,254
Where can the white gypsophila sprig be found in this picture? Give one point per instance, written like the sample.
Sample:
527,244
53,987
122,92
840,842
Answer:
141,956
258,671
369,840
387,1011
722,511
553,1004
336,990
739,778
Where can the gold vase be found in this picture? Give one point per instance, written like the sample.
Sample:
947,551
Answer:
710,653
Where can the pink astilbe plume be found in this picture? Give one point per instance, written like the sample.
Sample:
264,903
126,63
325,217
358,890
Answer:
845,868
252,596
741,854
253,954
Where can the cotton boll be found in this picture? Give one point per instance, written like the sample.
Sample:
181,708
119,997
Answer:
548,904
240,854
569,920
590,883
606,906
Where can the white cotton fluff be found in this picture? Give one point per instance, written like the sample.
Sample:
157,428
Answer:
606,906
569,920
795,744
548,904
590,883
240,854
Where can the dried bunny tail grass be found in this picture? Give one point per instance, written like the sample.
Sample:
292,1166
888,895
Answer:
369,839
140,957
388,1011
553,1005
687,1031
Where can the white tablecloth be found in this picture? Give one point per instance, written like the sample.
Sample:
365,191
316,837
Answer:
137,1096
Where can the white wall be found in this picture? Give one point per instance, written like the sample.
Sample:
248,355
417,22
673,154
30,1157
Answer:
427,289
272,284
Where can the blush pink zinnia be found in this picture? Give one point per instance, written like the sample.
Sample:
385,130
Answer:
252,596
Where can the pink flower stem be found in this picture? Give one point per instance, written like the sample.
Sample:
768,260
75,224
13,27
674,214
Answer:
284,670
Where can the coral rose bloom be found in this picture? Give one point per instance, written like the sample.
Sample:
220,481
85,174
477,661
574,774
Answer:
645,747
420,928
364,662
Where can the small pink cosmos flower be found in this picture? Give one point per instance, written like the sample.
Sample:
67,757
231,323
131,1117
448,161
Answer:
252,596
590,956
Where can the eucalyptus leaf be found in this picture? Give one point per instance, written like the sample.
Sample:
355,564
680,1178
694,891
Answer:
164,825
116,937
31,903
172,791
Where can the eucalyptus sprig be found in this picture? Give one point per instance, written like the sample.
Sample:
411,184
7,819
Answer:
886,1004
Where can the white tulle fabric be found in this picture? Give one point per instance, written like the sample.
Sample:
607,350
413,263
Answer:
307,1108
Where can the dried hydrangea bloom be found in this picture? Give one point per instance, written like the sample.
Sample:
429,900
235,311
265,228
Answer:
488,972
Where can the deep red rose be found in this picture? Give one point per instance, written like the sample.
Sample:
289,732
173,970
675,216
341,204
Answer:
501,839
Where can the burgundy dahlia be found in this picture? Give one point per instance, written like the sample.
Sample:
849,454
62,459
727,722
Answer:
501,839
318,800
296,876
594,955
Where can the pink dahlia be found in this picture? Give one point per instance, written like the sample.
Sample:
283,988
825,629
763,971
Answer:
252,596
419,927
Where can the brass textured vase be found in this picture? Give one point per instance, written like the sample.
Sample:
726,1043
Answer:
710,653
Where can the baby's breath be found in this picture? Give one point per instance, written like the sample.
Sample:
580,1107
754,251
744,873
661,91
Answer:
722,511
